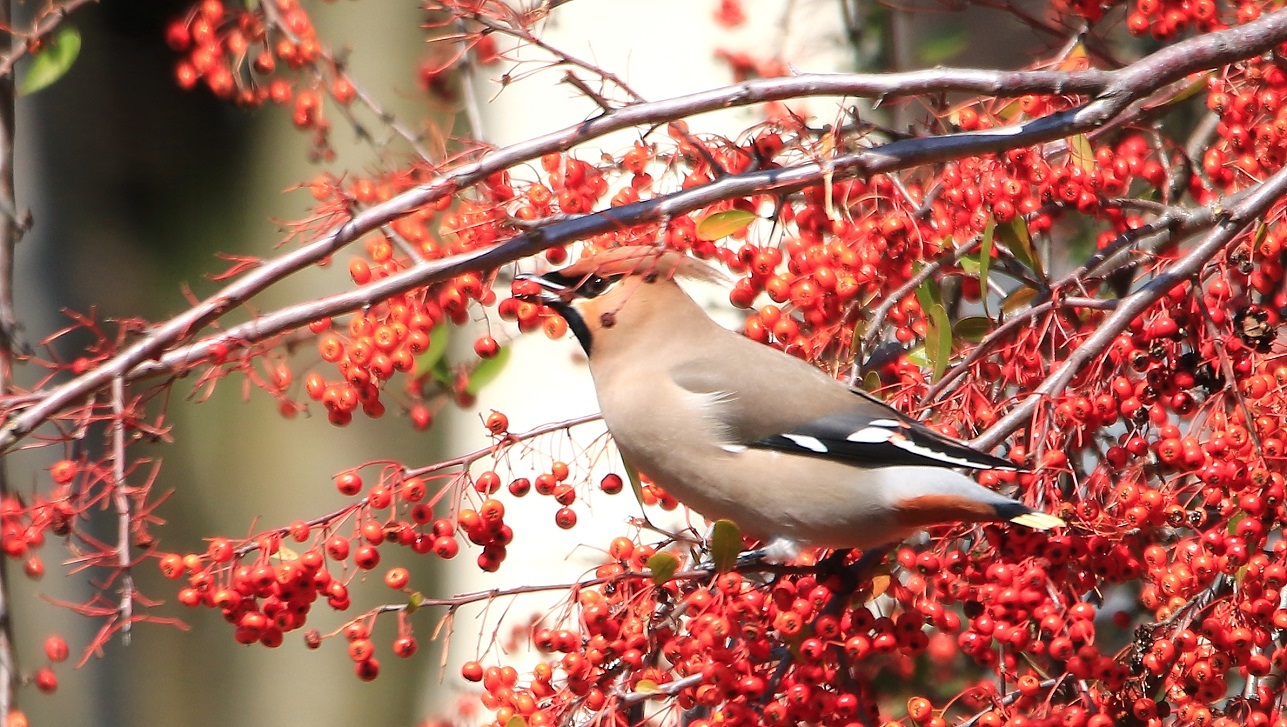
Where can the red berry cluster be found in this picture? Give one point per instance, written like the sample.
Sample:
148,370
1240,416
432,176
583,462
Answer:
1166,19
267,590
224,46
239,54
1252,133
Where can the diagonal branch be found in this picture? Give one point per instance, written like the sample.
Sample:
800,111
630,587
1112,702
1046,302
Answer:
1116,90
1235,219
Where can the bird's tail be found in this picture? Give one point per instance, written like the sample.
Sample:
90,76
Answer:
1035,519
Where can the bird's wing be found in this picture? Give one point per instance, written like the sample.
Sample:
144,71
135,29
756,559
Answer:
787,405
878,441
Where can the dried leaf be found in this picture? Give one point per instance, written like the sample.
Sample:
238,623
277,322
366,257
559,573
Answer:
880,581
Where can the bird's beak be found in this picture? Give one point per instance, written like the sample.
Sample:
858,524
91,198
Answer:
540,289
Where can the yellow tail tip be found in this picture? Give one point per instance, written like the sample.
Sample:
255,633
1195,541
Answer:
1038,520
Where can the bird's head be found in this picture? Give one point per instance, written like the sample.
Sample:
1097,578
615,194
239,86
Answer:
602,290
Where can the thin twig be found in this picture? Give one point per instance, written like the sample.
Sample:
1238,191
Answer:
121,502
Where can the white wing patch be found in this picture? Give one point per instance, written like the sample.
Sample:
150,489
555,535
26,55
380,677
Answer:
734,448
813,444
906,444
875,433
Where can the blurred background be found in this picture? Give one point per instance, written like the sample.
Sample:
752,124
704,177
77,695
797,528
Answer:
135,185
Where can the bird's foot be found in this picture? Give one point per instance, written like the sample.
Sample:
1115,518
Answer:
778,552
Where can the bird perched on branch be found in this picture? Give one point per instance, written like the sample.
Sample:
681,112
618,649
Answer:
737,430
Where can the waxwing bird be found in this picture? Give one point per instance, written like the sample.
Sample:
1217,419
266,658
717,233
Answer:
738,430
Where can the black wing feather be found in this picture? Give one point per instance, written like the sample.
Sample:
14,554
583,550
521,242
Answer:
868,441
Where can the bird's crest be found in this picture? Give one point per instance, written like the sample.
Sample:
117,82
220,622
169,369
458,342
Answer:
644,260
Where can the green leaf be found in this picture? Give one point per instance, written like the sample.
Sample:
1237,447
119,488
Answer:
938,335
487,370
945,45
973,328
1234,520
284,554
414,602
726,543
918,356
723,224
871,382
1018,299
428,361
663,566
1016,237
1186,91
971,264
985,261
54,60
516,721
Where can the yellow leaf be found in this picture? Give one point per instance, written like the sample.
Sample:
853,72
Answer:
1074,60
876,587
647,686
722,224
726,543
1018,299
1009,112
1082,154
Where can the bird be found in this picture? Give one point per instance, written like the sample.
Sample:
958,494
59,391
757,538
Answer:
738,430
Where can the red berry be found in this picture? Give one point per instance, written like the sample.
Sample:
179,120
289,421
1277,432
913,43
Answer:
56,649
486,347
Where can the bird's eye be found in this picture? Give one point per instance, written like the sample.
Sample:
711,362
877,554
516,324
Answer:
594,286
